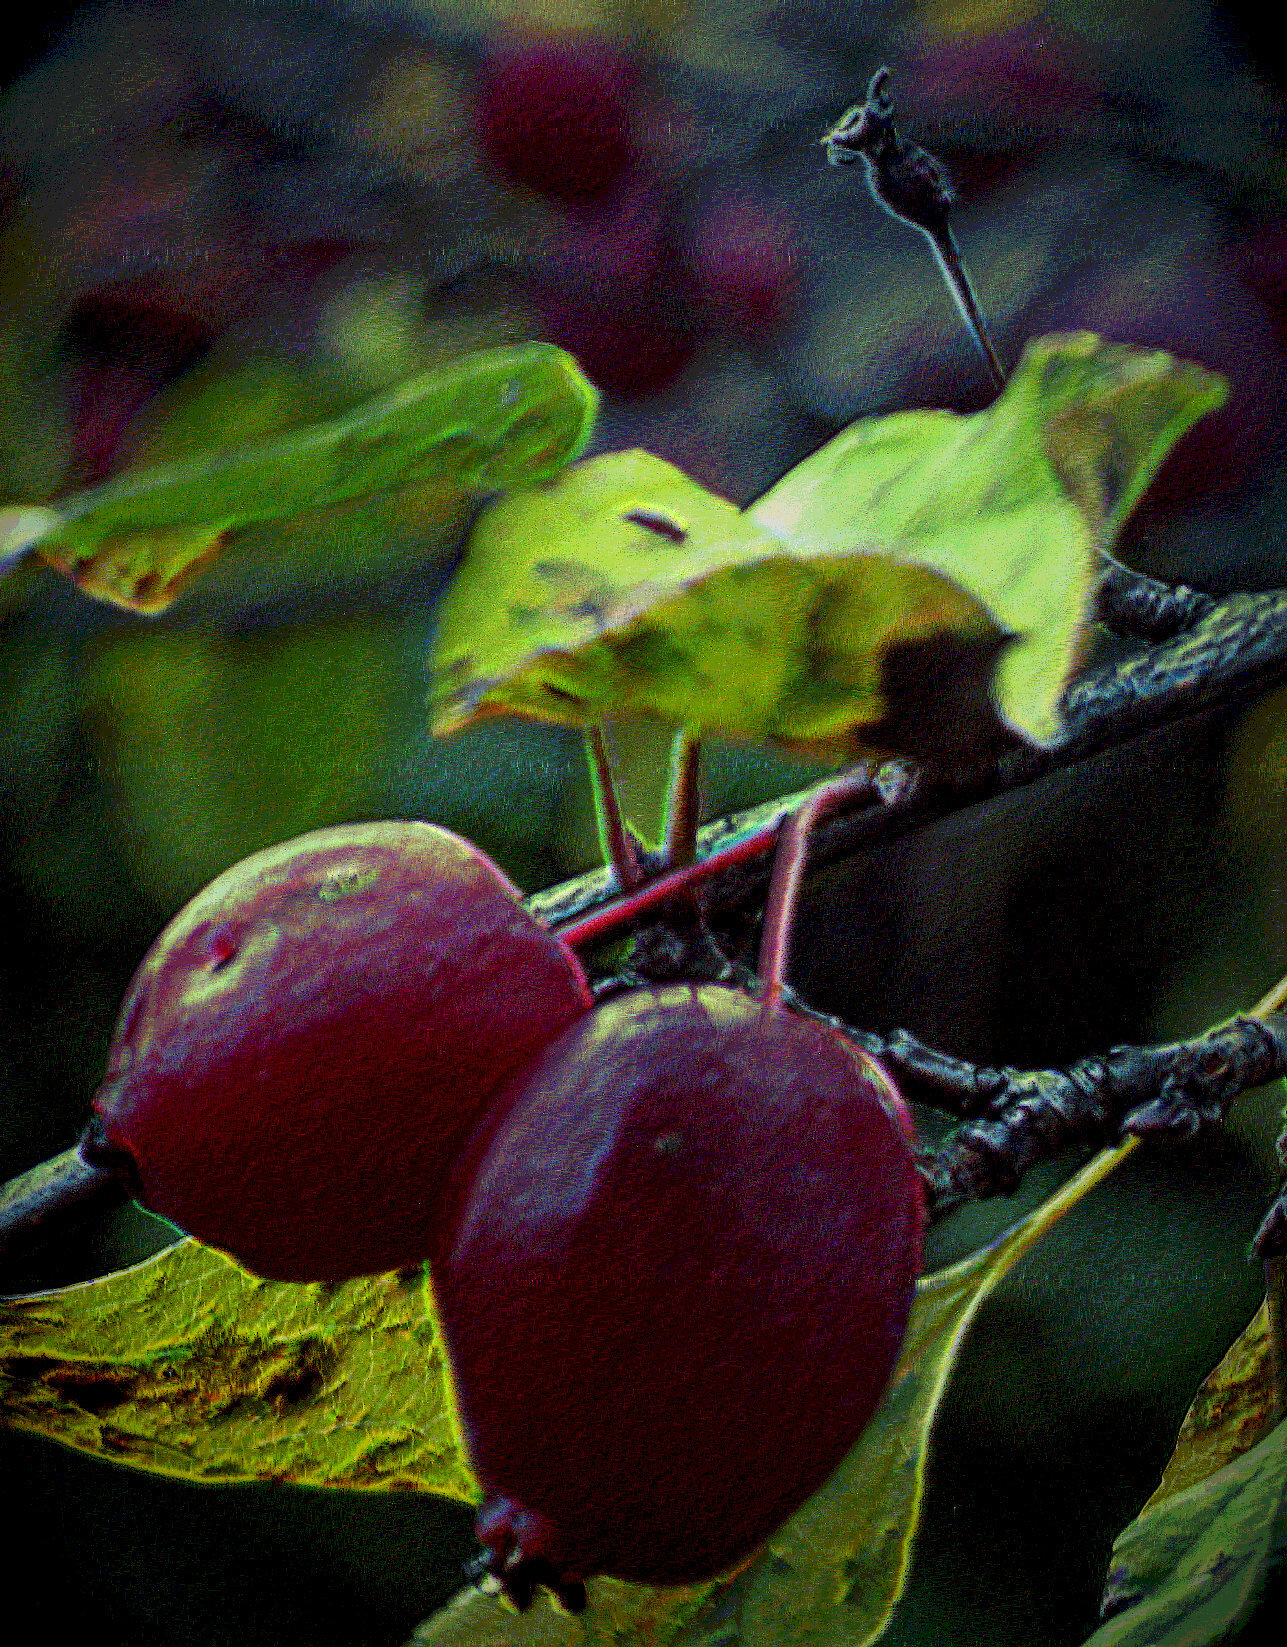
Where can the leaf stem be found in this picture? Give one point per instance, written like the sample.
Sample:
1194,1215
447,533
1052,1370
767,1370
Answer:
683,800
616,840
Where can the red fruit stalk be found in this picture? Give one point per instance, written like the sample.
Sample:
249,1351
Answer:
309,1040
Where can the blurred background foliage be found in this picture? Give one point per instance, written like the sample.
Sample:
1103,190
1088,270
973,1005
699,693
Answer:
227,218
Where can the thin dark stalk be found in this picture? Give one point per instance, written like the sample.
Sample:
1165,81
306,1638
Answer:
56,1195
615,837
683,801
947,254
912,186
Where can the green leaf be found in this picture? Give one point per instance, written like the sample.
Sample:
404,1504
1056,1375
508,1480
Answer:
835,1571
921,584
1191,1567
187,1366
1013,503
488,420
625,587
1190,1571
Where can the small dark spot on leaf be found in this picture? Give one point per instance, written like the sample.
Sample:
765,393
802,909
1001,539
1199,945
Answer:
668,1144
292,1385
118,1441
661,524
92,1395
301,1377
559,693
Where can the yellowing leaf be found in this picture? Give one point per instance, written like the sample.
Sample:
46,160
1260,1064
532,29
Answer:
835,1571
1013,503
920,585
187,1366
144,571
488,420
625,586
1231,1413
1191,1571
1190,1568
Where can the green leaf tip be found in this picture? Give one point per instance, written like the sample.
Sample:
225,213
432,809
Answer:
488,420
922,585
1191,1571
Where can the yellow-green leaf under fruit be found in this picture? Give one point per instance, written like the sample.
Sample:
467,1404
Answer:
188,1366
921,584
488,420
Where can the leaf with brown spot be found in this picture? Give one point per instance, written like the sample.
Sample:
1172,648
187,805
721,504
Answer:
188,1366
1231,1413
922,585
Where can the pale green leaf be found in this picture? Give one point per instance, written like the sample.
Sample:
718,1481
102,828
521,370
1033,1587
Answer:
1013,503
920,585
488,420
1191,1567
624,586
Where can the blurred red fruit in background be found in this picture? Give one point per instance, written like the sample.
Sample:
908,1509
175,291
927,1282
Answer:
742,263
553,113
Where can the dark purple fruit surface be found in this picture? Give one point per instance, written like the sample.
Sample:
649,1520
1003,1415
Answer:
308,1041
674,1272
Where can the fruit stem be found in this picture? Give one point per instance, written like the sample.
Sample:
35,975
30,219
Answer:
913,187
789,863
53,1197
616,841
683,801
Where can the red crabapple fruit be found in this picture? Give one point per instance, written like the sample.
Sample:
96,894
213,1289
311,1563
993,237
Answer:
674,1268
308,1041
